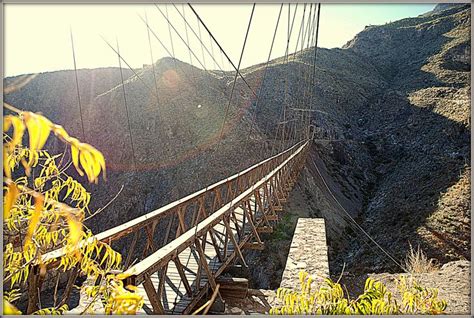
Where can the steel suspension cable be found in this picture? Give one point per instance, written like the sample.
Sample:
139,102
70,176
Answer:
259,94
222,50
309,90
312,27
128,65
299,32
177,65
300,36
238,71
187,38
304,32
308,87
354,221
179,35
126,107
77,86
199,38
171,54
288,68
286,82
294,128
152,60
284,108
314,67
169,30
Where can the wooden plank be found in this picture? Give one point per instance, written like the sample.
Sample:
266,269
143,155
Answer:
265,229
254,246
231,287
272,217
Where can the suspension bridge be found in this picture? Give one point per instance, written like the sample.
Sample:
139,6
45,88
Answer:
175,254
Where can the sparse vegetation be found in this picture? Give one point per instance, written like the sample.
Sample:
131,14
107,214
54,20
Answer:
417,262
283,229
329,298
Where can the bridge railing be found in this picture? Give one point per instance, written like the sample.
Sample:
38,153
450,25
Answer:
234,226
139,236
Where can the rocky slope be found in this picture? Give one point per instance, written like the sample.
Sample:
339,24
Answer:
175,136
396,102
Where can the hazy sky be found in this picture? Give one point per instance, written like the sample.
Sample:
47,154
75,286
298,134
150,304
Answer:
37,37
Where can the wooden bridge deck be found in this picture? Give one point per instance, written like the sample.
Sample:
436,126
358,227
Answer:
174,290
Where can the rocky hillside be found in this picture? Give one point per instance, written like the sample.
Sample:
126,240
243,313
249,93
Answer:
391,149
396,103
175,127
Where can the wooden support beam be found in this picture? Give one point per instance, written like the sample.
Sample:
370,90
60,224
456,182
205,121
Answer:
168,230
150,245
203,261
153,296
272,217
254,246
131,251
231,287
181,273
182,225
70,284
252,225
258,199
234,242
226,240
215,244
265,229
162,278
269,198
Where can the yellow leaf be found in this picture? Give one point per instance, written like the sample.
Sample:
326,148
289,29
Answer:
11,196
75,157
9,309
60,132
45,129
122,276
132,288
33,129
6,167
87,163
35,218
75,232
18,129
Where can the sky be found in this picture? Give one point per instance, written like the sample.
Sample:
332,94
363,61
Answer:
37,38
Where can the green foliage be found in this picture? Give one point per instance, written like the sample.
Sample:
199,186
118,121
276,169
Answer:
283,229
329,299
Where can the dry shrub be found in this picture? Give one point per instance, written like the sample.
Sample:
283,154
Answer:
417,262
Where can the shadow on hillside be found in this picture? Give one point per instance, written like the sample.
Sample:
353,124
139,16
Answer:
417,156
